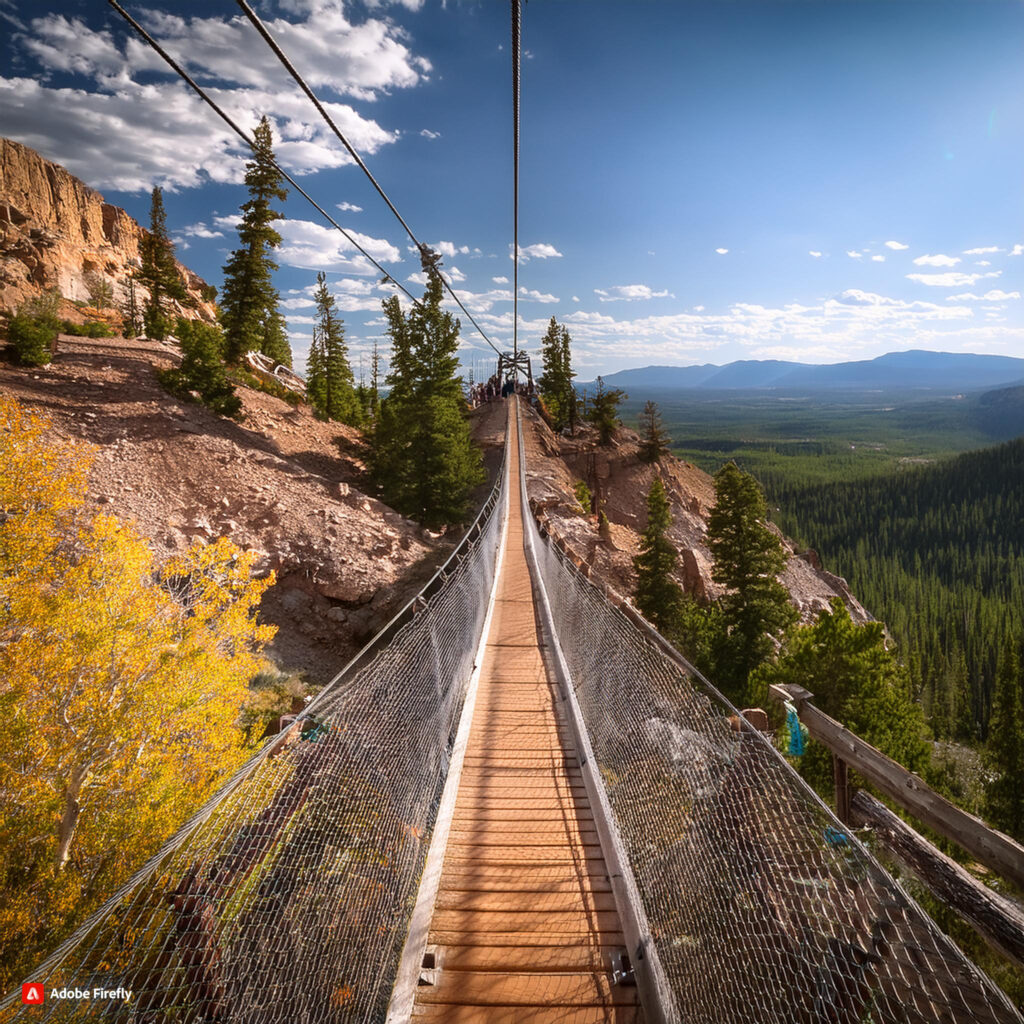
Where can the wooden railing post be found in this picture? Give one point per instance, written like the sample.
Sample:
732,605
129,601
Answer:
841,777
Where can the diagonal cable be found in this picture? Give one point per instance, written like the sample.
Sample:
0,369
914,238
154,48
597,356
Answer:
146,37
426,254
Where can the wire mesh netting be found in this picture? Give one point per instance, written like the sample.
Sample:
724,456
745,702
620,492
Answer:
761,906
288,898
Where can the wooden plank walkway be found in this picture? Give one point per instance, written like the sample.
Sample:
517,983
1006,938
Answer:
525,923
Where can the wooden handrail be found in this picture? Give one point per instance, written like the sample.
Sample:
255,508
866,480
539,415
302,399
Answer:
993,849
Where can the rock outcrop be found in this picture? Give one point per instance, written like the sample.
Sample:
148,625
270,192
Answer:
619,482
55,232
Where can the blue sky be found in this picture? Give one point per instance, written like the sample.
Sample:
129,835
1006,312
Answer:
700,182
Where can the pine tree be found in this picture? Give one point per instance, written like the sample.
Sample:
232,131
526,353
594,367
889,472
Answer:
657,594
158,271
331,386
555,382
375,383
423,459
1004,794
131,317
604,410
653,440
748,558
249,301
855,679
316,378
569,403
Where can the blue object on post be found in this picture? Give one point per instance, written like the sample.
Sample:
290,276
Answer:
796,731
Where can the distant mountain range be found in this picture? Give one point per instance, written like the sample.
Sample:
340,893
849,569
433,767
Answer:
895,370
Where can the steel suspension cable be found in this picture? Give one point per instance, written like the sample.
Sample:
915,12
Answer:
426,254
517,15
147,38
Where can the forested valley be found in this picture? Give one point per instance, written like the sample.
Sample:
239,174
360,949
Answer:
937,553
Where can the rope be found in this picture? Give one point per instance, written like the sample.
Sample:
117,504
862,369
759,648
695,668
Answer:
428,257
146,37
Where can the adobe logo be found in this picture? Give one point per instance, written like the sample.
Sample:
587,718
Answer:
32,994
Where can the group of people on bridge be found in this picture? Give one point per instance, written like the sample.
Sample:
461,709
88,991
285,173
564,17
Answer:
493,389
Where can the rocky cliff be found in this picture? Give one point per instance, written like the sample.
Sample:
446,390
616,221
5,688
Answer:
55,231
620,482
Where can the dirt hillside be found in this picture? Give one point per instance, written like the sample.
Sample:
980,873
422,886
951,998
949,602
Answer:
280,482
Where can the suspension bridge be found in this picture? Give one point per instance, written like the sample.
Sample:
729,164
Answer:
517,804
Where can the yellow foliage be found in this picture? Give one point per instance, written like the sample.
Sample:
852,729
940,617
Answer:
121,687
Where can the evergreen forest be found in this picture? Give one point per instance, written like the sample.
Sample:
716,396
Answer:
937,553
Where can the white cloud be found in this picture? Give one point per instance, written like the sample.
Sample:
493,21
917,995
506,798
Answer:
318,247
1018,250
952,279
500,280
879,258
537,251
896,245
349,208
455,275
428,134
200,230
721,252
854,255
181,144
995,295
982,250
575,298
449,249
939,260
536,296
630,293
814,253
983,263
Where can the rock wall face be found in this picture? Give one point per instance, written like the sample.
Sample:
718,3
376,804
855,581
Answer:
55,231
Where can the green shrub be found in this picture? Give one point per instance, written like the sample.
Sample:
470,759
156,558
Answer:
31,340
33,329
583,496
202,369
93,329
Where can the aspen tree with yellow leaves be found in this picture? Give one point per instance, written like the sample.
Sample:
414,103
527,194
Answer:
121,688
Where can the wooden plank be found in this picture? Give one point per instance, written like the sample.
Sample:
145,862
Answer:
498,940
567,835
578,901
536,922
992,848
511,816
997,920
527,958
428,1013
491,856
474,988
521,882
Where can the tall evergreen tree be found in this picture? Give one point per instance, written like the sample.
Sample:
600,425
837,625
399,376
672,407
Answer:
330,384
657,594
158,270
570,406
423,459
316,378
604,410
1004,793
653,438
375,383
131,316
555,382
748,558
249,301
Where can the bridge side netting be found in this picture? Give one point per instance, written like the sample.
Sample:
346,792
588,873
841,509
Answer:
288,899
762,908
